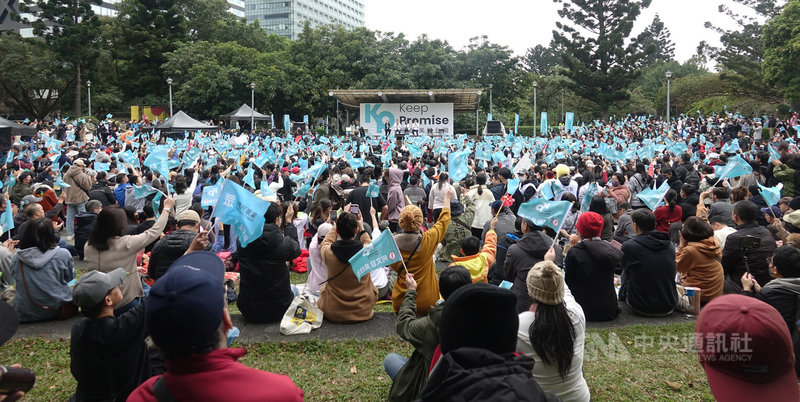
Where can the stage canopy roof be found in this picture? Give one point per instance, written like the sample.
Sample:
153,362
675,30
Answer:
244,112
182,122
463,100
12,128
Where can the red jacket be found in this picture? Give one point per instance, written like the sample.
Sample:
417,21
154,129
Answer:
217,376
664,217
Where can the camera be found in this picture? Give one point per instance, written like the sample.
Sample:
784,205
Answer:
13,379
749,244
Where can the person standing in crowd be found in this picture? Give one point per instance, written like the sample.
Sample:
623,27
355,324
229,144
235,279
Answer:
395,201
482,198
79,183
461,217
437,194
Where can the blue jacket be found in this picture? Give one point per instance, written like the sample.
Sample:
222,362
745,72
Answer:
47,276
119,194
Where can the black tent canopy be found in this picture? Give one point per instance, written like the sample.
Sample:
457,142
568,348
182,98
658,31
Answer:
244,112
12,128
182,122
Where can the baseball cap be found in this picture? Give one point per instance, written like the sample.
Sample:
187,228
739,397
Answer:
29,199
79,162
188,215
185,306
93,287
746,350
295,170
285,169
773,211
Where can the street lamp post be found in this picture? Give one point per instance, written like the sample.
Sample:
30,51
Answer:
252,106
89,90
562,104
330,93
535,116
491,111
169,84
668,74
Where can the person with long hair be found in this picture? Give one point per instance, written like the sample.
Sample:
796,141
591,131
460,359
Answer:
481,197
107,248
42,271
668,214
638,182
436,196
698,259
552,333
598,206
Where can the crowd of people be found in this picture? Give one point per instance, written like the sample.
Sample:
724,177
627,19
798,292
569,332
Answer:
494,302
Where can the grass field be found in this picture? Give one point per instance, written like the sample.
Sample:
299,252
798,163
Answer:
632,363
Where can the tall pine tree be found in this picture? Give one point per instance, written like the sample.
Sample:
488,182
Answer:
600,56
658,39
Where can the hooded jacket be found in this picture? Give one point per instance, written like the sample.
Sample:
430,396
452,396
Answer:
520,258
458,230
394,200
100,191
46,277
783,294
648,274
79,182
470,374
167,250
589,272
478,264
699,264
84,224
264,290
345,298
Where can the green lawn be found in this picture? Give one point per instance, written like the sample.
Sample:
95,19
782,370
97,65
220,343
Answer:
633,363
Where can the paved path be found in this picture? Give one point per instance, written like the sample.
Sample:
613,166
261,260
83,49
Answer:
382,325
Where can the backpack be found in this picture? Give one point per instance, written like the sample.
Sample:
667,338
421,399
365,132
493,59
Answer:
693,178
336,195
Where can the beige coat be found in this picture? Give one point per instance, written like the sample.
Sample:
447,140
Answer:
79,182
122,253
345,299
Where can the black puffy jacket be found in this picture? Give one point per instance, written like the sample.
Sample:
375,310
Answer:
589,272
733,255
648,274
469,374
265,291
100,191
520,258
167,250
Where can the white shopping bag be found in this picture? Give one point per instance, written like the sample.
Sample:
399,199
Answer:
302,316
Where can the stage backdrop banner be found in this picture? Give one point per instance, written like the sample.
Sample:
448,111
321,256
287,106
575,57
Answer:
436,116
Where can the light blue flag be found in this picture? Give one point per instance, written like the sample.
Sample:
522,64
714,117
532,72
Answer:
265,190
271,121
457,165
157,204
773,154
552,189
10,157
142,191
498,157
481,154
545,213
7,218
516,122
543,123
654,197
303,190
569,121
287,123
305,119
489,117
211,195
512,186
735,167
771,194
381,252
248,178
415,151
242,210
425,179
591,190
261,159
731,147
316,170
59,182
355,163
101,167
373,191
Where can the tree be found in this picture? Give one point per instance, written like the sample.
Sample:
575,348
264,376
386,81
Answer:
31,76
485,63
149,30
71,29
540,60
602,64
742,50
782,53
657,43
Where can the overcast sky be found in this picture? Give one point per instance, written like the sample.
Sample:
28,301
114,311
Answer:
522,24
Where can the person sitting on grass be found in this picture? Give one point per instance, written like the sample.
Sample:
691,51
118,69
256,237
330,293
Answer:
475,259
345,298
410,374
189,321
108,355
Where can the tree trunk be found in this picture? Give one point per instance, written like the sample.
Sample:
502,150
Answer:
77,102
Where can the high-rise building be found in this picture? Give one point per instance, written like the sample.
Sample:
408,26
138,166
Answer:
286,17
108,8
